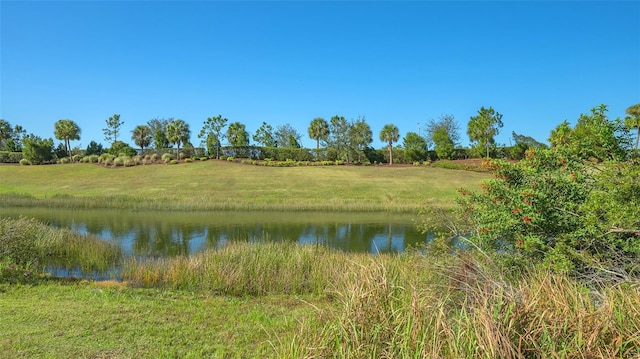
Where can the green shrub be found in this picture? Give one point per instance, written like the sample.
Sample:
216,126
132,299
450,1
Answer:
554,207
64,160
10,157
155,157
76,158
25,162
230,159
203,158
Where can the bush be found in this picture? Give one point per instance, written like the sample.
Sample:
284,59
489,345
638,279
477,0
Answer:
553,207
10,157
25,162
166,157
64,160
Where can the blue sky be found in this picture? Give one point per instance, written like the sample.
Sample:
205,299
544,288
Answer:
537,63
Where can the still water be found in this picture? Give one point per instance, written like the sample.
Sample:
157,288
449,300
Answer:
156,234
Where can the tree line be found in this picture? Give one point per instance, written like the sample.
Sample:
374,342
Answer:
347,140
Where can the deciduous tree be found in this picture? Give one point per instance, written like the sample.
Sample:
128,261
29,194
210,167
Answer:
287,136
360,136
415,147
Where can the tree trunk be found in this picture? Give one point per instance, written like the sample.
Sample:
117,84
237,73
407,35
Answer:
390,154
637,138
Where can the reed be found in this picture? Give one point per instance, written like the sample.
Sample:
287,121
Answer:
26,244
244,269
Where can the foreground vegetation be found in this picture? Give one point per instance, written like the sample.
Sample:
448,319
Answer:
221,185
283,300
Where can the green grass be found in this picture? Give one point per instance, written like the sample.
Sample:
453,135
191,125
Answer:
108,320
221,185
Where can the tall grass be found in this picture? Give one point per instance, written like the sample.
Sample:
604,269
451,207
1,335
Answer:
466,309
26,244
243,268
416,305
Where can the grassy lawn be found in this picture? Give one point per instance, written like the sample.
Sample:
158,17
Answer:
220,185
108,320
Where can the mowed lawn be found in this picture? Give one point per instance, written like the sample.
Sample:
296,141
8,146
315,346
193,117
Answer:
220,185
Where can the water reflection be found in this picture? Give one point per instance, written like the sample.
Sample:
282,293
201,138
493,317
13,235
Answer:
169,234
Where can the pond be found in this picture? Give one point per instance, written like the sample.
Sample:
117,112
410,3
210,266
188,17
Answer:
156,234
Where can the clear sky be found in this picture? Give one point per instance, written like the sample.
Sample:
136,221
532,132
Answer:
537,62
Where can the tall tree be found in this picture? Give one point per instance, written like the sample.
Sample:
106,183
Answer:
484,127
360,137
37,150
287,136
447,124
5,132
339,136
264,136
141,136
444,145
390,134
178,132
11,138
212,133
237,135
158,129
319,130
632,121
66,130
113,128
415,147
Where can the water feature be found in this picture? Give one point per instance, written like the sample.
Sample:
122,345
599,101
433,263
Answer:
154,234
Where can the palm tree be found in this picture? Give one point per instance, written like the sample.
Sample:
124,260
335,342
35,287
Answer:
390,134
633,120
178,132
142,137
66,130
319,130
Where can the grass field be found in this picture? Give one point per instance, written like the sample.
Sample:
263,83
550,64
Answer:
220,185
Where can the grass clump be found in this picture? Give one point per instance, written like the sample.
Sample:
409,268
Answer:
463,307
29,246
242,269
